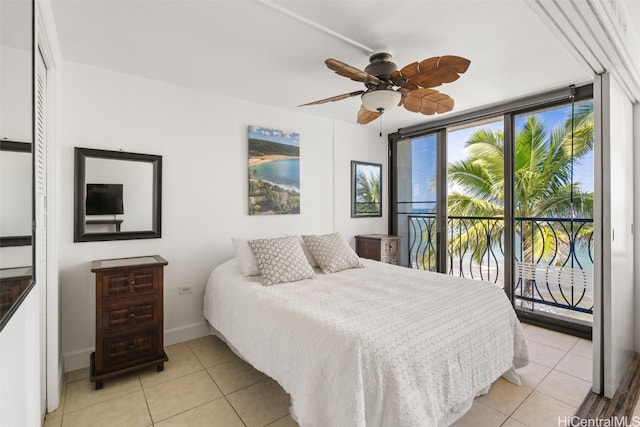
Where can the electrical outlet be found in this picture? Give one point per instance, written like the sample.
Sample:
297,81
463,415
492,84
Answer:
185,290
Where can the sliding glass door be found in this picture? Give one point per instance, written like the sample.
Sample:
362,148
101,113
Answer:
416,208
553,197
507,199
475,201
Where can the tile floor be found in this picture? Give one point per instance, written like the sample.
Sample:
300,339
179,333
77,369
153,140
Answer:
205,384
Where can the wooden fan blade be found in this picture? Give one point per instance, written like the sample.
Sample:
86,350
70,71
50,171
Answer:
365,116
408,87
434,78
334,98
428,101
409,71
456,63
434,71
353,73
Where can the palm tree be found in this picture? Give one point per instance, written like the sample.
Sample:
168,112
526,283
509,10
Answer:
543,187
368,192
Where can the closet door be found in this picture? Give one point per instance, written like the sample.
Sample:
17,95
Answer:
614,315
40,181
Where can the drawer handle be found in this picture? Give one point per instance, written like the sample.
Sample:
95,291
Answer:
131,346
132,315
133,282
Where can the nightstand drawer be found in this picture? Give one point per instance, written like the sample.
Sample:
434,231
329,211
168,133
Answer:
123,349
130,314
368,249
129,283
389,247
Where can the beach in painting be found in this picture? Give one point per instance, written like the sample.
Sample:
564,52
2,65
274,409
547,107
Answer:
254,161
274,172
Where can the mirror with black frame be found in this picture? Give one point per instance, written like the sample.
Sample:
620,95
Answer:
16,159
117,195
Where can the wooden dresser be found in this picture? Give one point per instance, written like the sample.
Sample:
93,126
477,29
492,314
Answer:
129,316
380,247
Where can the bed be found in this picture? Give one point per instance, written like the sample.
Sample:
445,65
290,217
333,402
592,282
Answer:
380,345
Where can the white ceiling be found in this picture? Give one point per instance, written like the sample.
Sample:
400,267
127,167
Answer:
273,52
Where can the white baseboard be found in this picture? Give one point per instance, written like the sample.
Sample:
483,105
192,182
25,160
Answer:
80,358
77,359
186,333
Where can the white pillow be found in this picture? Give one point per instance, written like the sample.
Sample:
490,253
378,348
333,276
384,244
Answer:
332,252
280,260
247,261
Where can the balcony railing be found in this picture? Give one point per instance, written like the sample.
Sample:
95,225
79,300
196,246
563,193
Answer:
553,271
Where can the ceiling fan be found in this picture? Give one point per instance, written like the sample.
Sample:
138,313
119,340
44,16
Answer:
411,86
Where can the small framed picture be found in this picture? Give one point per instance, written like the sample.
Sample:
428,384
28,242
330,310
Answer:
366,189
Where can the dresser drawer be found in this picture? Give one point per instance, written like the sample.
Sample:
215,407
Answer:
142,281
130,314
130,349
389,247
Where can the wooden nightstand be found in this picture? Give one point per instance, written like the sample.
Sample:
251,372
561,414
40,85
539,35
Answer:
129,316
380,247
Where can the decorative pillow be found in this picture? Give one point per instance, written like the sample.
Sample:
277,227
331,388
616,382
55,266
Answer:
248,263
332,252
308,254
280,260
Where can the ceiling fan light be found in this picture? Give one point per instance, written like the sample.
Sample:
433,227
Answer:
382,99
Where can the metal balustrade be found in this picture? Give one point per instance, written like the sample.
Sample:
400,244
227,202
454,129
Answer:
559,277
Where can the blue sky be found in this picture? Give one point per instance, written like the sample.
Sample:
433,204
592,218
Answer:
423,152
275,135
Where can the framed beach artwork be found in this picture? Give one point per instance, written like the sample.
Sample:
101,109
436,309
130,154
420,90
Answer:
366,189
274,171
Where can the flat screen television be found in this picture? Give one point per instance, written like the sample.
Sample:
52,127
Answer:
104,199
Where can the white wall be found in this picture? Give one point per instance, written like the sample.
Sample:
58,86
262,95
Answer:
203,140
363,144
618,280
20,366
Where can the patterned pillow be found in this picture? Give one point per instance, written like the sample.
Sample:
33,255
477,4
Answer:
280,260
332,252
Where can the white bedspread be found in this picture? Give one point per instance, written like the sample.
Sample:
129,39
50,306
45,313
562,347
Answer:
376,346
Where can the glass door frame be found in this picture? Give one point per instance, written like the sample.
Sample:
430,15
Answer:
439,127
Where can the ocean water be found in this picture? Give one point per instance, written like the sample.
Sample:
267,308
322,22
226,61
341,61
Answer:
285,172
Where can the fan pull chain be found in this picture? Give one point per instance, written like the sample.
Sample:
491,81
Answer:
380,127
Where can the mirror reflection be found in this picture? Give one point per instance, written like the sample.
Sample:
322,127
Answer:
117,195
15,194
16,132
